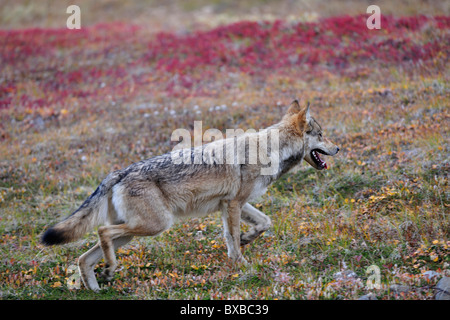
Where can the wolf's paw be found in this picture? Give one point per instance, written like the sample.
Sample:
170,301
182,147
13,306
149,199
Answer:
252,235
108,273
245,239
105,276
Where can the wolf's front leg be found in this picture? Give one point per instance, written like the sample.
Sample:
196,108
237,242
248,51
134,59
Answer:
231,216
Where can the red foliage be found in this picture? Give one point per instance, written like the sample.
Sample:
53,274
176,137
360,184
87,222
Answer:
106,58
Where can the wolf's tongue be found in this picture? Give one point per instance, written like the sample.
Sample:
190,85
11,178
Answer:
325,165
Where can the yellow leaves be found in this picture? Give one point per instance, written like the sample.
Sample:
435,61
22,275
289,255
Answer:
330,241
434,257
376,198
215,245
203,267
361,163
157,274
387,192
124,251
29,274
436,252
57,284
202,226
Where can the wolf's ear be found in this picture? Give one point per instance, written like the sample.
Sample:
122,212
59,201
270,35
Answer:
304,118
304,112
308,116
294,108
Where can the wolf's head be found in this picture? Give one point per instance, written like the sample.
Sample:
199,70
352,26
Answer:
313,140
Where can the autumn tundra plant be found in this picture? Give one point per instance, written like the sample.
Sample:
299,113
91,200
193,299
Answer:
186,65
76,105
147,197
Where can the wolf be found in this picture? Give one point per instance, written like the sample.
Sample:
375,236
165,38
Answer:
148,197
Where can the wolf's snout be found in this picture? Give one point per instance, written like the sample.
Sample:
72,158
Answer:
333,150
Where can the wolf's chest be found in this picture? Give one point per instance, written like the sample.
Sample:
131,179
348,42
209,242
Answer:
259,188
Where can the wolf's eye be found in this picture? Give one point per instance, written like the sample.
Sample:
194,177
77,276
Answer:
320,135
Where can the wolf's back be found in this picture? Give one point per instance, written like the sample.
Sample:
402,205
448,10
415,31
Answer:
91,213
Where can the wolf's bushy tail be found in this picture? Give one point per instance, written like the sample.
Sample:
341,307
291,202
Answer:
93,212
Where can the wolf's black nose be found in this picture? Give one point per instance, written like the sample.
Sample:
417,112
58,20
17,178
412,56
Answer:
337,149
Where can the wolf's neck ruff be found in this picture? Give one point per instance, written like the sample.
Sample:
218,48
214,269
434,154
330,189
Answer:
290,163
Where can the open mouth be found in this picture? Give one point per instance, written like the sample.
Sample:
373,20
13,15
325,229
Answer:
317,160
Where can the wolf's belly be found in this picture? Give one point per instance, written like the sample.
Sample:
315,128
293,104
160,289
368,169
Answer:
198,208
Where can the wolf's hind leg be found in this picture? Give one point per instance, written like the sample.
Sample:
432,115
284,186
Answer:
258,220
88,261
86,265
123,233
145,213
112,237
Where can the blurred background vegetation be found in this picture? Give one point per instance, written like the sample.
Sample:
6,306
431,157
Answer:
180,14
